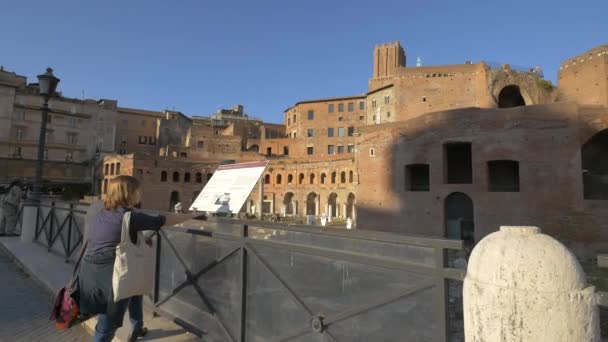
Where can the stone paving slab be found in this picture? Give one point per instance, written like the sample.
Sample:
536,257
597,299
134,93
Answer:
51,273
25,308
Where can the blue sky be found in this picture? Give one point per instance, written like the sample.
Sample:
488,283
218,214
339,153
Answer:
198,55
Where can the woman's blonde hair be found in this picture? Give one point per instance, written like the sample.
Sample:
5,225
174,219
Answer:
121,192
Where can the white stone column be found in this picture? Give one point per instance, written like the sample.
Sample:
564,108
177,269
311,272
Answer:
28,225
522,285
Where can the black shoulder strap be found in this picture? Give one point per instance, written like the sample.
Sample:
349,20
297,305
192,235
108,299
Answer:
77,265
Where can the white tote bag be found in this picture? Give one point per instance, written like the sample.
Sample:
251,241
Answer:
134,265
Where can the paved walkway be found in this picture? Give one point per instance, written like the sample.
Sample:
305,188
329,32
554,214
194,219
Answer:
25,307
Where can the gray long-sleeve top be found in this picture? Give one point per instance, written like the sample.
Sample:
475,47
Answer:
104,229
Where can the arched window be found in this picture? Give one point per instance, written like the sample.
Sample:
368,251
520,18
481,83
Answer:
289,178
175,176
459,218
187,177
342,177
209,175
112,169
594,154
510,96
311,179
199,177
118,168
106,169
333,177
350,176
279,179
301,178
267,179
163,176
323,178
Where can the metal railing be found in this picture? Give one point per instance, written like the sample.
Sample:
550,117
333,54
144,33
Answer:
59,227
228,280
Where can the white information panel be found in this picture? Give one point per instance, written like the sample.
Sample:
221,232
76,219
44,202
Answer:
229,187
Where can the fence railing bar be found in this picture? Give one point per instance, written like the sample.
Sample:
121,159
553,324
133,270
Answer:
378,303
69,247
244,270
38,225
196,287
195,276
299,333
59,231
369,235
442,303
348,256
291,292
328,334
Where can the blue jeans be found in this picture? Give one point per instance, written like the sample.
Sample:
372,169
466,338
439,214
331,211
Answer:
109,322
136,313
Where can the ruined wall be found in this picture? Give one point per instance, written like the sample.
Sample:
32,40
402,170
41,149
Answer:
584,78
544,139
174,129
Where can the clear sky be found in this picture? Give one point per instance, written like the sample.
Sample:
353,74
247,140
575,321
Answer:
198,55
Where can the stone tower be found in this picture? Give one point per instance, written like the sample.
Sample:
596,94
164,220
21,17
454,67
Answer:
387,58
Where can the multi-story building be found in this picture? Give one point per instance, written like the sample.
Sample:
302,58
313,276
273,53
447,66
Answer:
453,151
450,150
78,133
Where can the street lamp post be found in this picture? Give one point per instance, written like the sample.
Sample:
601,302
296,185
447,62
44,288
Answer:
47,83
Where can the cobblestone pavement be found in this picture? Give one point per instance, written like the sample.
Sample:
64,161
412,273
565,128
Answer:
25,307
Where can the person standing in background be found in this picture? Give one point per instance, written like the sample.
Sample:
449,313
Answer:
10,207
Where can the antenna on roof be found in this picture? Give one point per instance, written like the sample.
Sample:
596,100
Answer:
418,62
83,94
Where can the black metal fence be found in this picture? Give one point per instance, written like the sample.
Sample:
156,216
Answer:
237,281
229,280
59,227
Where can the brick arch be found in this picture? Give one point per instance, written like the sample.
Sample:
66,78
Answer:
527,84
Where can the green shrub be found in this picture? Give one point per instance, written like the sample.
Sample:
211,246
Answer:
545,84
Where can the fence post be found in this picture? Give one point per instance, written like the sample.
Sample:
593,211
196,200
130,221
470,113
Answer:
28,222
522,285
244,236
70,218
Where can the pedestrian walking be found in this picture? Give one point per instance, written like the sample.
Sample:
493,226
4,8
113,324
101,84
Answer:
104,228
10,207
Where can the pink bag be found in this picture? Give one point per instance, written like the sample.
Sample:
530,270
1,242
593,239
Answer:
66,312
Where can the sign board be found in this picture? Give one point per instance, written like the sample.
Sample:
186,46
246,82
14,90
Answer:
229,187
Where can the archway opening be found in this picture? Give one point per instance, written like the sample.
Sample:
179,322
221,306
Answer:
350,206
510,96
254,148
173,200
332,205
595,167
311,204
459,218
288,203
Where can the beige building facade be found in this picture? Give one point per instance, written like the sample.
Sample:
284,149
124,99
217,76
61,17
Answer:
78,133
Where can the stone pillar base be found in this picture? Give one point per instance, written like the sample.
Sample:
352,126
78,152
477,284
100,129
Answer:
28,225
